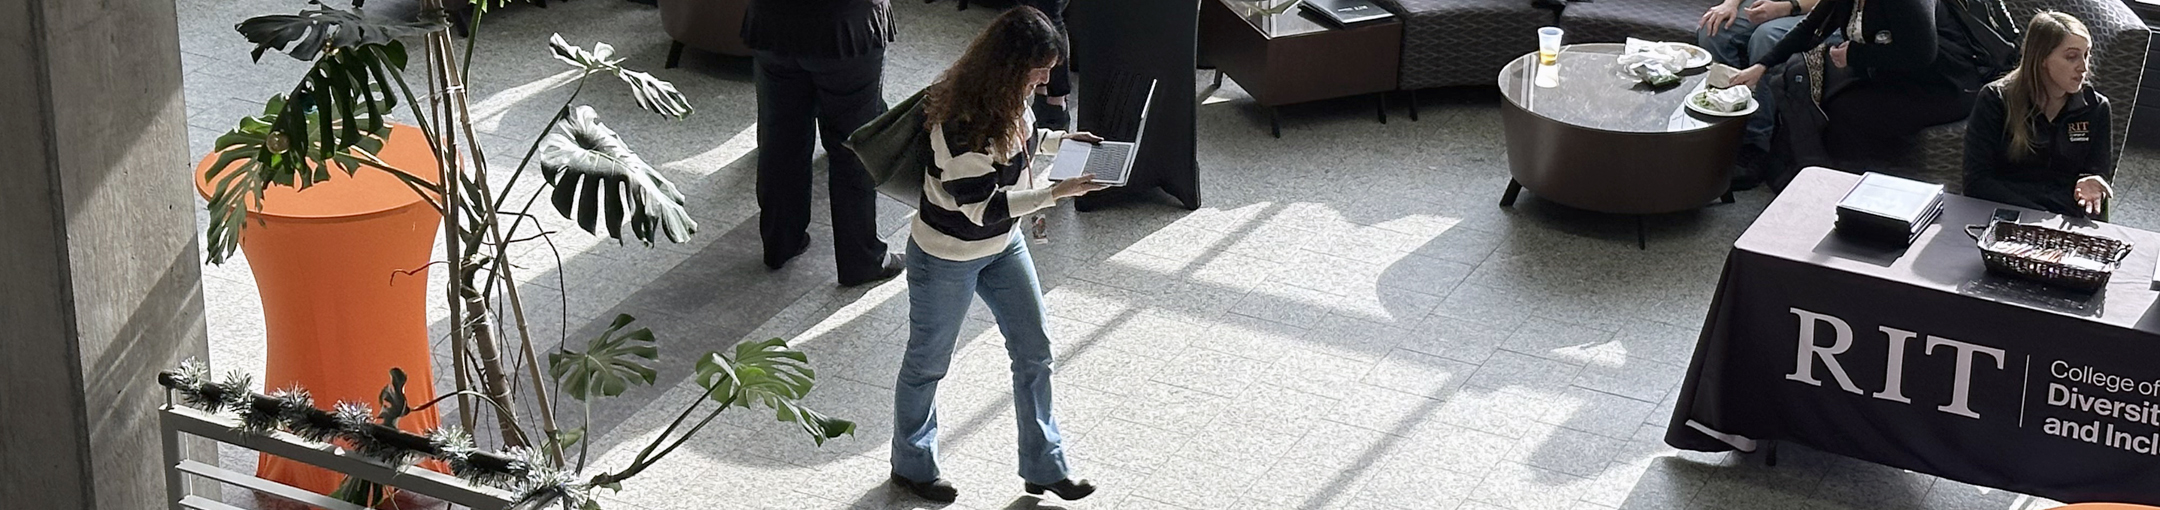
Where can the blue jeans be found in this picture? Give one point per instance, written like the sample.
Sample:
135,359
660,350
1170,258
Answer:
1745,39
939,292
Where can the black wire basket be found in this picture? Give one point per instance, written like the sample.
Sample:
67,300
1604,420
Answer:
2050,256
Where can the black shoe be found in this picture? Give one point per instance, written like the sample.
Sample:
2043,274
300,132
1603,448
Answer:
774,262
1748,167
891,267
936,491
1050,116
1066,489
1744,178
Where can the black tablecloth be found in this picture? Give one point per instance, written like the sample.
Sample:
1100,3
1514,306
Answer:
1938,367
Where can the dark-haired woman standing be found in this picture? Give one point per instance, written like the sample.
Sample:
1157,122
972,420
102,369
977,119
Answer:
963,245
2039,137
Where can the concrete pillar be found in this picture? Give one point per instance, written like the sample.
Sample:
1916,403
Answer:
100,281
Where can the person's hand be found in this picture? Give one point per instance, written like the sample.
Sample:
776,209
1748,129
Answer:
1749,76
1764,11
1076,186
1083,136
1720,16
1837,53
2092,191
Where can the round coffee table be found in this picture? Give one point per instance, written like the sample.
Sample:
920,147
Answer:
1599,141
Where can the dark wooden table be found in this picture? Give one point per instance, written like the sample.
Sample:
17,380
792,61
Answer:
1600,141
1294,56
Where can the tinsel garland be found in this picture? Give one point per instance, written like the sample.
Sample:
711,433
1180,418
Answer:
293,410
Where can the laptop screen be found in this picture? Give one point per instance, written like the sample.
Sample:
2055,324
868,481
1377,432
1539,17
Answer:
1144,107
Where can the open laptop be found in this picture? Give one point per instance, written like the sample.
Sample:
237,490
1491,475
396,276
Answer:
1110,162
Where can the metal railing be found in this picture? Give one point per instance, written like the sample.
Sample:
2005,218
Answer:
175,420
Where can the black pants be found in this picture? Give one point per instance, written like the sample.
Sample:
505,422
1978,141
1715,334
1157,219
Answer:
1863,125
799,99
1060,76
1873,123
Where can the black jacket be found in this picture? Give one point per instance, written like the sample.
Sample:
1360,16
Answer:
2074,145
818,28
1915,41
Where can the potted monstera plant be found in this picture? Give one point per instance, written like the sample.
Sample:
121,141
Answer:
336,118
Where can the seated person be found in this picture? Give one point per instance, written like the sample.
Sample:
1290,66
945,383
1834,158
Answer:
1738,37
2039,137
1905,65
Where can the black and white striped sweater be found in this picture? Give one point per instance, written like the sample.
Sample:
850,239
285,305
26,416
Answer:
971,198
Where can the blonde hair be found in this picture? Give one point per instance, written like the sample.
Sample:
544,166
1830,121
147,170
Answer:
2023,87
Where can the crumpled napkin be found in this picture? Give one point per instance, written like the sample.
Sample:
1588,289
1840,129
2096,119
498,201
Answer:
1668,55
1655,63
1726,100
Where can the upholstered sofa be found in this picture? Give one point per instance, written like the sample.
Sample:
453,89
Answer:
1450,43
708,25
1617,20
1466,42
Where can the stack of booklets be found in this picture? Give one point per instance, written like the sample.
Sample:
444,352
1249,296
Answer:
1348,12
1889,209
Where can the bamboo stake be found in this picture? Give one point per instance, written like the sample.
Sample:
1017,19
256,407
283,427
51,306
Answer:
446,165
501,270
493,381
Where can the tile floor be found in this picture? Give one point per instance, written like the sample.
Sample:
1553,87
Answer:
1350,322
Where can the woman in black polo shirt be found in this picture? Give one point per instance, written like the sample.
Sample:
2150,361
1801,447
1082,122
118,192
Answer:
2039,137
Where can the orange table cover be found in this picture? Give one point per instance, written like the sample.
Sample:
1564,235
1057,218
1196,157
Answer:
337,308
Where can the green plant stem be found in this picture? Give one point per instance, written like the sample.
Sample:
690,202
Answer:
472,38
664,433
560,114
409,179
646,457
439,398
645,462
532,361
563,330
412,102
585,444
502,249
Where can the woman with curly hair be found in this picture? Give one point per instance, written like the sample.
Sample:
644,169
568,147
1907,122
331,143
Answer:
963,244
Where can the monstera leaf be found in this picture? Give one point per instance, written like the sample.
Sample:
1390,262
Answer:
608,366
336,117
262,152
306,35
594,173
768,373
653,94
350,86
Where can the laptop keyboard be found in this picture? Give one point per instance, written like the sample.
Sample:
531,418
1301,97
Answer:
1108,160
